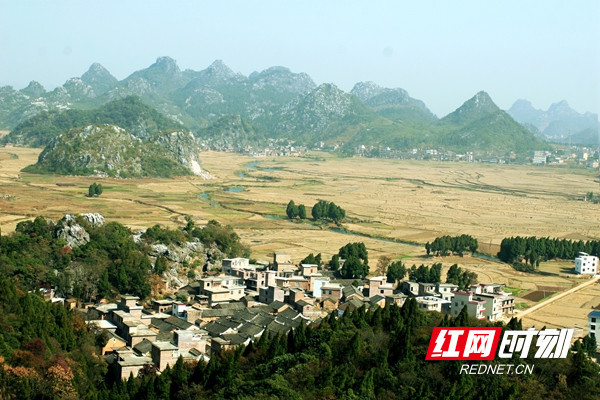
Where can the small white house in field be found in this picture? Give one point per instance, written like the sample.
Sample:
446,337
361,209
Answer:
586,264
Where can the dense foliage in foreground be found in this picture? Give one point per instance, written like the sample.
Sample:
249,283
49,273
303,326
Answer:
47,352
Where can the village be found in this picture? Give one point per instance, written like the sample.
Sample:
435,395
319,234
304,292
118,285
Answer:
243,302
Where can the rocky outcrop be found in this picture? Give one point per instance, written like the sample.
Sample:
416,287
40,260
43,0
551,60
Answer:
73,233
99,79
94,219
183,258
108,150
182,145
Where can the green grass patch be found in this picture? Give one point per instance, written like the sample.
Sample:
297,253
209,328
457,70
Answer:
120,189
514,291
521,306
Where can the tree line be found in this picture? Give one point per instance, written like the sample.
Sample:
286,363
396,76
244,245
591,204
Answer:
532,249
426,274
322,210
295,211
446,245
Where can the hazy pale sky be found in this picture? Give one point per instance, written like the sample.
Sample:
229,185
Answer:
442,52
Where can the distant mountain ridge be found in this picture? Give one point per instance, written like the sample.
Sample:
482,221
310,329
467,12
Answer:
480,123
560,123
273,103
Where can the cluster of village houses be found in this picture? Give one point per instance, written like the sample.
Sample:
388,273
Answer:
246,300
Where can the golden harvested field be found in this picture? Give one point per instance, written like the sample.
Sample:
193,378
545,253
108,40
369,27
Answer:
408,201
570,311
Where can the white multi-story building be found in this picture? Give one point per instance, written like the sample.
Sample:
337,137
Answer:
594,324
475,307
432,303
486,302
586,264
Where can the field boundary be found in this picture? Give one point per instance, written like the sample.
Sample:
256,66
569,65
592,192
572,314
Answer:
556,297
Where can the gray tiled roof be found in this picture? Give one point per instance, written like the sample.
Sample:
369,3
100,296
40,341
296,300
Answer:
216,312
250,329
275,327
288,313
232,306
178,322
244,315
143,347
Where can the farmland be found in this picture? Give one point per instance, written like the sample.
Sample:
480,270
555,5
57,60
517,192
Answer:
391,206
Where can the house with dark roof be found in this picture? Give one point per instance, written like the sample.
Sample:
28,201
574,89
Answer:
352,305
350,292
396,298
143,348
228,342
113,344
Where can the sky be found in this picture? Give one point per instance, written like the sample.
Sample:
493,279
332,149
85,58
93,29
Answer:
441,52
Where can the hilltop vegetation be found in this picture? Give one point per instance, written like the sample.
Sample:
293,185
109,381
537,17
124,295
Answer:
110,262
124,138
106,150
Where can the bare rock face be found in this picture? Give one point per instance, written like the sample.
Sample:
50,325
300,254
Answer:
181,256
93,219
73,233
187,252
182,145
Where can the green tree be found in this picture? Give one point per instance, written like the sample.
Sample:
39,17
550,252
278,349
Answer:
317,211
334,264
291,210
396,272
357,260
98,189
589,345
463,278
104,284
312,259
92,190
160,265
302,211
352,268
